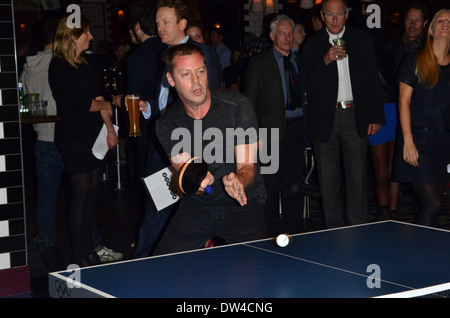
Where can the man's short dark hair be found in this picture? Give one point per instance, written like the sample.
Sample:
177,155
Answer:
181,50
143,12
181,9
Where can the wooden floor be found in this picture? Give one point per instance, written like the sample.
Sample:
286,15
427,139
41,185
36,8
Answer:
120,213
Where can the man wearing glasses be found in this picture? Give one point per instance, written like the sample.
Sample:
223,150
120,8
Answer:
345,107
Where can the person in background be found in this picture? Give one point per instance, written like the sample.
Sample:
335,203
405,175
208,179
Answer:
415,22
229,71
101,59
142,67
235,76
272,86
83,109
315,22
120,51
142,72
382,144
263,42
196,31
49,163
217,41
299,37
423,148
345,106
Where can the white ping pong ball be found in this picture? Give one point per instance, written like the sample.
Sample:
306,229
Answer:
282,240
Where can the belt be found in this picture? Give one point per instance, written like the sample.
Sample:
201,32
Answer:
344,105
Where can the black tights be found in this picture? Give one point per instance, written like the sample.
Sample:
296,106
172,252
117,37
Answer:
85,187
430,200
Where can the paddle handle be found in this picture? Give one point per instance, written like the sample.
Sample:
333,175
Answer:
208,189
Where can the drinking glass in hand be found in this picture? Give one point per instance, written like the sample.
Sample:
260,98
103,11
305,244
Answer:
340,42
132,102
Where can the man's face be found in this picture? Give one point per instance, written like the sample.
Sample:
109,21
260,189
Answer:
170,31
334,15
133,38
299,34
414,23
214,38
283,39
190,79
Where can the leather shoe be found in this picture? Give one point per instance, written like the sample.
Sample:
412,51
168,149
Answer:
91,260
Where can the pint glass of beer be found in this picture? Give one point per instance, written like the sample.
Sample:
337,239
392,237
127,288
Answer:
133,114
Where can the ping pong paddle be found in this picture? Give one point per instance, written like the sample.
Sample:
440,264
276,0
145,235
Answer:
191,176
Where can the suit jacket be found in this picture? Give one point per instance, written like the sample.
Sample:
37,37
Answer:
143,65
321,83
264,87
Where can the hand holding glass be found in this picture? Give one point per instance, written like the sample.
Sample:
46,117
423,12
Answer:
340,42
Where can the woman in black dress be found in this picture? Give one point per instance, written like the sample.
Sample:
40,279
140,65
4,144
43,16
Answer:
79,101
424,111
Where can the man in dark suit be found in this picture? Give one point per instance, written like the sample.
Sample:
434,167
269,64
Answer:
171,21
142,68
278,106
345,107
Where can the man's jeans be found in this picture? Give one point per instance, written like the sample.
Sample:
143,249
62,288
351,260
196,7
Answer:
49,168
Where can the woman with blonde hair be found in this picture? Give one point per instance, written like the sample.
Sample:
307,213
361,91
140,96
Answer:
424,111
80,104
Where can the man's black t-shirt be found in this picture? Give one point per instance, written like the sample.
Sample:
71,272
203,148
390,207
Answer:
230,121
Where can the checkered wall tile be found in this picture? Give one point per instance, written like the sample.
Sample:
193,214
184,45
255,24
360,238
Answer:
12,212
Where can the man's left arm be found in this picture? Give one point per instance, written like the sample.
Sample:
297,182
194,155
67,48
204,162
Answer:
235,183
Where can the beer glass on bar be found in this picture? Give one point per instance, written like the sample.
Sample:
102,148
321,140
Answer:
133,114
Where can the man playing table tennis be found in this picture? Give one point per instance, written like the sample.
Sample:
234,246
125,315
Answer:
233,211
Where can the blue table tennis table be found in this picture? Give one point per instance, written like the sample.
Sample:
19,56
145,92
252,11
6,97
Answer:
380,259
